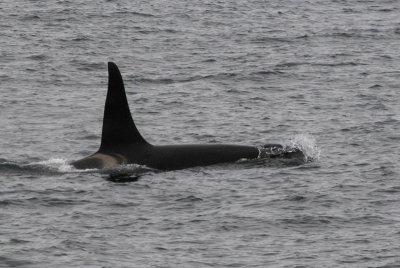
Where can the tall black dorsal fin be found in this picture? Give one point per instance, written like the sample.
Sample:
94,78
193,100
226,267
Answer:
118,125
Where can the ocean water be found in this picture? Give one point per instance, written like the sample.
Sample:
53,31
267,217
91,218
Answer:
324,75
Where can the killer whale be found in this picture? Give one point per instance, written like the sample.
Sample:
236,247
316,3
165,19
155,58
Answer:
122,143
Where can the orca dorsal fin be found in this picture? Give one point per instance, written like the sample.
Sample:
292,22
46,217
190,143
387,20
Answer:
118,125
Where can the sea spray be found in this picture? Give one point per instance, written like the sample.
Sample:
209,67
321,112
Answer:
307,144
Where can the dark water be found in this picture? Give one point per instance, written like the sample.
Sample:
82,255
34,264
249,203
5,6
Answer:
322,74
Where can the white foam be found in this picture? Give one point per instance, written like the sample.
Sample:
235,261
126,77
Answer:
57,164
307,144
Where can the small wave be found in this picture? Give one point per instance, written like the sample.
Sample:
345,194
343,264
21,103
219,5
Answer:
10,262
386,10
87,66
311,220
254,76
49,167
166,81
190,199
61,166
81,38
290,64
134,13
350,63
39,57
55,164
266,73
267,39
11,167
30,18
307,144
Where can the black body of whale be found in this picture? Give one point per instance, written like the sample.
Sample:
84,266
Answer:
121,142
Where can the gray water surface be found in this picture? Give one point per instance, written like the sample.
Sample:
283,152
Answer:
322,74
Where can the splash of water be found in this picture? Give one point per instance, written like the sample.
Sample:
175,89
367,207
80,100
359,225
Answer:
64,166
60,166
307,144
56,164
51,166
